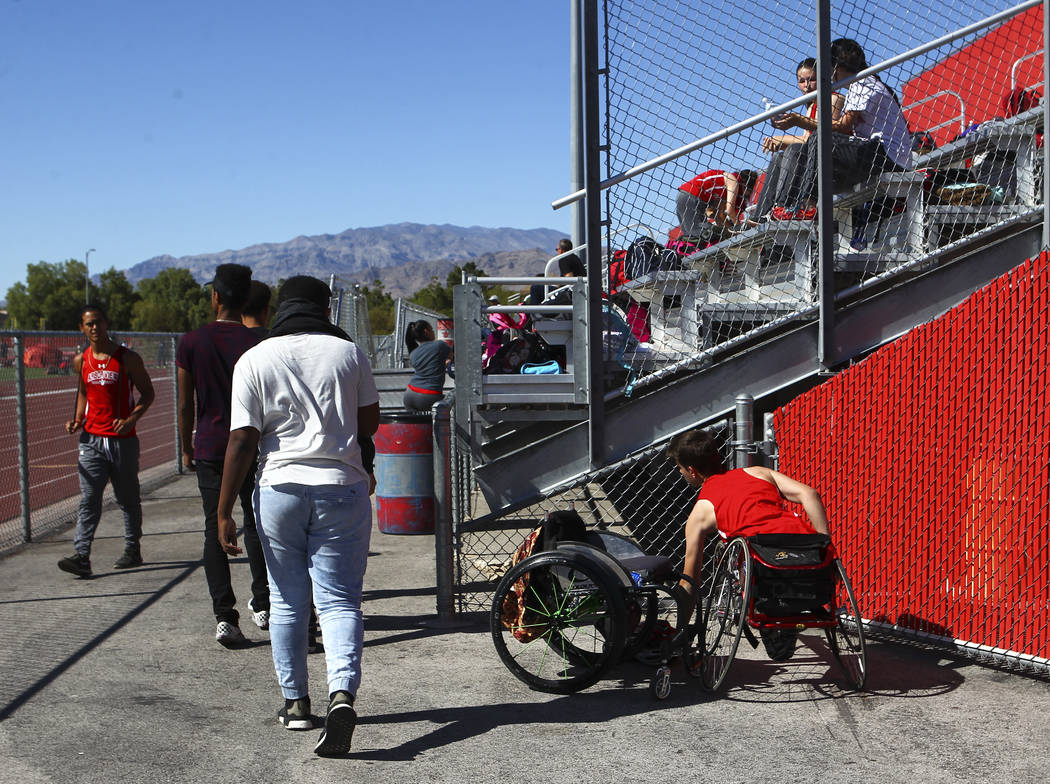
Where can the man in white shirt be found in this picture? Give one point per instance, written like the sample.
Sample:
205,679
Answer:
302,400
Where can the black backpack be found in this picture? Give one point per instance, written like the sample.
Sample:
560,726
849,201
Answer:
530,347
645,255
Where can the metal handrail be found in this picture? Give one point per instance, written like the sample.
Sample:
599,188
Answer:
938,94
710,139
1016,63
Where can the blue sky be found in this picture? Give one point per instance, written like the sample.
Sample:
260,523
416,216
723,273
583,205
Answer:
144,128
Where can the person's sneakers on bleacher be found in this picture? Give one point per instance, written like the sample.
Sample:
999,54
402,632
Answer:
260,617
229,635
338,726
77,564
295,715
132,557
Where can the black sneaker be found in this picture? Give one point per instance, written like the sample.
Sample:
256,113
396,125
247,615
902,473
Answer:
77,564
295,715
130,559
338,726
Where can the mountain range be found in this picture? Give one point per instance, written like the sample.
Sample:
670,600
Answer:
404,256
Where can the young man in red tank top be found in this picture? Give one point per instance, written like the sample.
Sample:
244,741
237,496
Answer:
105,416
740,502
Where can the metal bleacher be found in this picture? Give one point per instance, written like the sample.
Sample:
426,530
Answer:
743,314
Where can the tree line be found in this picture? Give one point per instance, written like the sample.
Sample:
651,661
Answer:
53,293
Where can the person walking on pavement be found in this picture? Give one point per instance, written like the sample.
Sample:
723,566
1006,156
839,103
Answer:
303,401
205,359
105,416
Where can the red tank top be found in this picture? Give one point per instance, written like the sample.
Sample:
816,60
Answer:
746,505
108,391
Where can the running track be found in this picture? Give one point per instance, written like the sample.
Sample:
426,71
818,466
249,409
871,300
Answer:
53,452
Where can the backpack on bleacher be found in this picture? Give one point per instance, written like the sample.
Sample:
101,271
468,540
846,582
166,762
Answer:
645,255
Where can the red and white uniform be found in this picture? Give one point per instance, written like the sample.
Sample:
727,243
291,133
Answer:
709,186
109,394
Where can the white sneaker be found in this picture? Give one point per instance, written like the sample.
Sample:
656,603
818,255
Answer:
229,635
261,618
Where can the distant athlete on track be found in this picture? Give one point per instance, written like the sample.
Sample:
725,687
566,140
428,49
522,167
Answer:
105,416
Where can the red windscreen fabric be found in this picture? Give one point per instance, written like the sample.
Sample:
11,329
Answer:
933,457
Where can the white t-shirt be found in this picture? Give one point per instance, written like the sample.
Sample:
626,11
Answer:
302,392
880,116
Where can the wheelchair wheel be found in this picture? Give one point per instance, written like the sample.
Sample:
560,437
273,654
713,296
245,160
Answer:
558,621
725,613
846,639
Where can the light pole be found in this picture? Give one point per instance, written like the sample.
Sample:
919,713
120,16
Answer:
87,276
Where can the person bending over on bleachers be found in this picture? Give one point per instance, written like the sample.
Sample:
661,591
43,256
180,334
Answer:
740,502
870,136
713,199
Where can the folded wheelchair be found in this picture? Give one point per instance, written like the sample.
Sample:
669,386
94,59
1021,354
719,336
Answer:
562,617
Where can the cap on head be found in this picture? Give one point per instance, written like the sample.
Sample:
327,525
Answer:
233,283
305,287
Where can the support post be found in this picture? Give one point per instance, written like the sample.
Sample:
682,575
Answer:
175,386
1046,124
825,234
745,431
577,143
23,439
593,209
441,414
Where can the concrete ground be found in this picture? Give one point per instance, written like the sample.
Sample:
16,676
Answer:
119,679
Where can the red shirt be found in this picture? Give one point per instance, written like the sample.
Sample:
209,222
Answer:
709,186
746,505
108,391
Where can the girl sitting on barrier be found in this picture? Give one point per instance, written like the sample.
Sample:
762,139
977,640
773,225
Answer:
429,359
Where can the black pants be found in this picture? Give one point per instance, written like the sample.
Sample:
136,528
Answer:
794,178
216,562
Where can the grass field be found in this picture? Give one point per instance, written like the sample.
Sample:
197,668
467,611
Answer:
8,373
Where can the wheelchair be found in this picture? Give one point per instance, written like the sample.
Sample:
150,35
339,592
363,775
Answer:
561,618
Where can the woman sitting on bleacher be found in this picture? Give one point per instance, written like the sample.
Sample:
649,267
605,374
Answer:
712,199
870,137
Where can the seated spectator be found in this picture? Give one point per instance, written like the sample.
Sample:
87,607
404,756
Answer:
429,359
714,198
568,266
806,78
870,136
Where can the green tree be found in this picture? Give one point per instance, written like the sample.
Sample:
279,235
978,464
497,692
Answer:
438,297
50,298
380,308
171,302
117,296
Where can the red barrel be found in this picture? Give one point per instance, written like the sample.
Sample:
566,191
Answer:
404,470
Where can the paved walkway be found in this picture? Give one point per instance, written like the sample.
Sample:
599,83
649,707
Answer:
118,679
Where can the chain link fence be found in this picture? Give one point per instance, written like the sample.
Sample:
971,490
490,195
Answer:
34,419
948,153
643,497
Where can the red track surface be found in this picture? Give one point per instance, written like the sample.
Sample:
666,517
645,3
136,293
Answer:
53,452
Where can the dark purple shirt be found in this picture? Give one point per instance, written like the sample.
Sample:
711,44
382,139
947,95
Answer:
209,354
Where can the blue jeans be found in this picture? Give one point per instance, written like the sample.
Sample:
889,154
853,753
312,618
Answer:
102,460
315,535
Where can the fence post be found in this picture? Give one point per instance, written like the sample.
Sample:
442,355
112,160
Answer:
441,413
23,439
175,396
742,445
